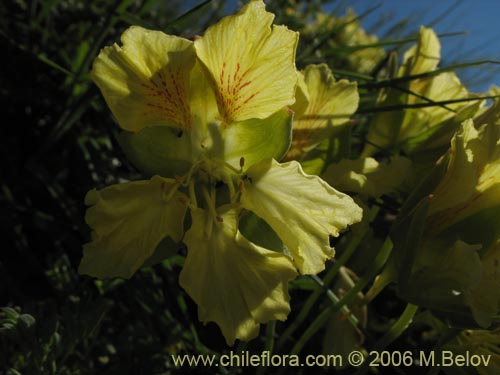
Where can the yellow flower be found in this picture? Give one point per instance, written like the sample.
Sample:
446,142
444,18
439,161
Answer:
343,32
454,254
210,117
472,179
420,128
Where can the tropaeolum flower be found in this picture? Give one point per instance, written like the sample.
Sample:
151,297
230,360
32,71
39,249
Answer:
208,119
453,260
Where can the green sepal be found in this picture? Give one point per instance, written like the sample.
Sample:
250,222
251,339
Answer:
256,139
480,228
443,273
158,150
407,237
385,127
331,150
424,188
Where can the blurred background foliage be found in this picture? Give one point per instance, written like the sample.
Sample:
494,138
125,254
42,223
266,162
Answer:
58,142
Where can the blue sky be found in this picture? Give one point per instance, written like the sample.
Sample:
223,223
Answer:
479,19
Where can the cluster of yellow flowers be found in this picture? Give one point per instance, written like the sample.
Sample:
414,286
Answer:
210,120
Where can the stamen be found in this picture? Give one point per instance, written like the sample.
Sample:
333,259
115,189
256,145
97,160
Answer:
235,170
230,184
210,201
192,194
169,193
188,177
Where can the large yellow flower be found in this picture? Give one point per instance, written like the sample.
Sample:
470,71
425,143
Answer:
415,129
454,252
208,120
472,180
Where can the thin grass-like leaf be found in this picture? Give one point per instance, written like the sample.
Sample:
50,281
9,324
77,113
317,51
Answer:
393,81
185,15
391,108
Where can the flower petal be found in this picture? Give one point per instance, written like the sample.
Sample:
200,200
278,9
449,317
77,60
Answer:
330,105
251,64
484,298
128,221
472,180
441,273
235,283
424,56
367,176
419,128
146,82
302,209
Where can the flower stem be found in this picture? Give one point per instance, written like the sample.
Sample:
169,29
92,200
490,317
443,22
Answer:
192,195
335,299
270,332
323,317
394,332
398,328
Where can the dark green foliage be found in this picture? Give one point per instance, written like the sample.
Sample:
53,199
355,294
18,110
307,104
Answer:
58,143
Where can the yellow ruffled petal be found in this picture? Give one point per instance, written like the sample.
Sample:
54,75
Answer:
330,104
235,283
302,209
145,82
128,221
251,64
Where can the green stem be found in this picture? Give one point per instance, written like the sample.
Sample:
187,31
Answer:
394,332
398,328
270,332
323,317
335,299
269,346
381,281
